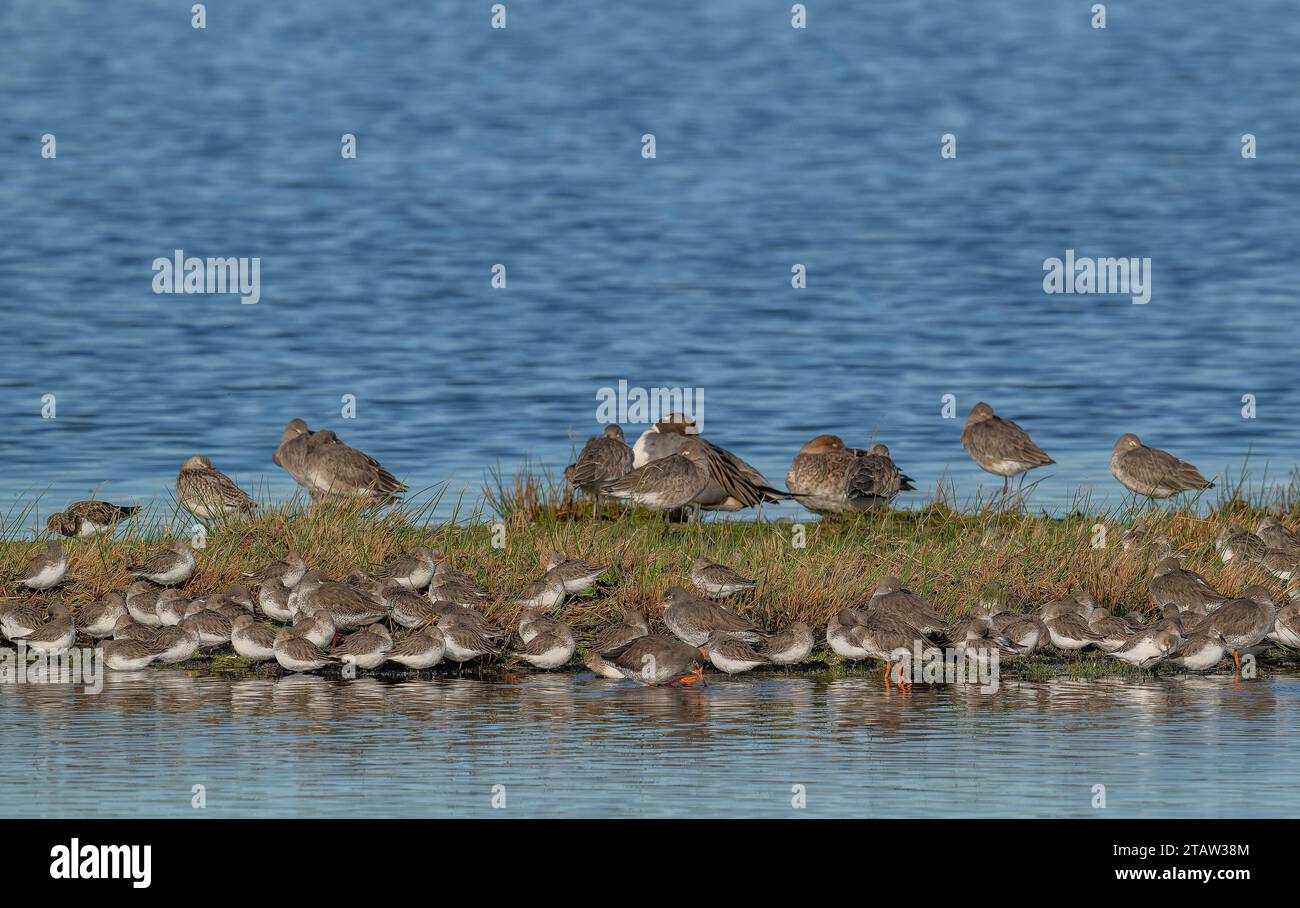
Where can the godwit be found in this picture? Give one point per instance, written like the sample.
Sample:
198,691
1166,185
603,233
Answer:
1151,471
999,446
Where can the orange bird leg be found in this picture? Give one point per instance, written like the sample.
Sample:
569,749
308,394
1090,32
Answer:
887,665
1236,659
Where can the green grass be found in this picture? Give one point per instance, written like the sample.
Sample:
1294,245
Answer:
944,552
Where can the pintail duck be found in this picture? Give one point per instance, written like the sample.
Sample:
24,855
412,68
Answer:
999,446
1188,590
653,660
719,480
718,580
731,655
420,650
252,640
789,646
171,566
127,654
55,635
45,570
177,643
604,458
328,468
578,575
546,592
98,618
1152,472
692,619
662,438
207,493
88,518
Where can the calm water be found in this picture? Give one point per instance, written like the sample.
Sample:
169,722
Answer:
573,746
521,146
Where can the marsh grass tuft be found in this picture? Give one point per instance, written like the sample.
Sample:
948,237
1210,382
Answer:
943,551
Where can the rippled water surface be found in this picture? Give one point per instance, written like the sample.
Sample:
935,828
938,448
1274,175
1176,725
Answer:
521,147
569,745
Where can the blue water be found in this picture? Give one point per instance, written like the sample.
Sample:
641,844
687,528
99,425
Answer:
566,745
522,146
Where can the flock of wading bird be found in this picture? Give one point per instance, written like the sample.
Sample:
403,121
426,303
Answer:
436,609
